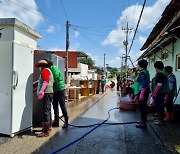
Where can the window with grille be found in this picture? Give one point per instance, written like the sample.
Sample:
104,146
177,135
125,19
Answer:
152,60
164,56
178,63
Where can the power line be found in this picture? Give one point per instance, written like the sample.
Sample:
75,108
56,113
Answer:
64,9
37,12
95,33
93,27
137,26
92,42
125,42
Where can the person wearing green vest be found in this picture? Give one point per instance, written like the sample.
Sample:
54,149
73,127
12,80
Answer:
45,93
141,91
103,82
160,88
58,96
171,94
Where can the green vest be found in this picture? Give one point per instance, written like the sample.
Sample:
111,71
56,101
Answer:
165,85
174,90
137,86
103,80
49,88
58,79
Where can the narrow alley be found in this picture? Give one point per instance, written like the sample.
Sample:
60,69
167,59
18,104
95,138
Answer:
107,139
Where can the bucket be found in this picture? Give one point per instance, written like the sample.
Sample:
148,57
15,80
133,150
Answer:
126,106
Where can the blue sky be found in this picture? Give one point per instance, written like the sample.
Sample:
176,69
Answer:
95,25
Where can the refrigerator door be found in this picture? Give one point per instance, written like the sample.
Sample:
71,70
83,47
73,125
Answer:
5,87
22,88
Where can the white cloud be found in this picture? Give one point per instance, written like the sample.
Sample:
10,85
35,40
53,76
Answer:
56,48
150,16
28,13
115,62
76,33
74,47
114,38
51,29
141,40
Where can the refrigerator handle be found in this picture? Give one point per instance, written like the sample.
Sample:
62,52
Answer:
15,79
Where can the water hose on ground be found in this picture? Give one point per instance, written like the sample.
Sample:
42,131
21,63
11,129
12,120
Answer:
106,123
96,126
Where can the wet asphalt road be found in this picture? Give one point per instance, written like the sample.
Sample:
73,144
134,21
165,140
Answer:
107,139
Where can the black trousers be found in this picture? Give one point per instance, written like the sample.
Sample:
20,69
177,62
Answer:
142,106
118,85
47,100
159,103
102,88
169,105
98,87
59,98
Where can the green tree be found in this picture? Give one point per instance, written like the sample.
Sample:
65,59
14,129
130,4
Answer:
89,61
113,71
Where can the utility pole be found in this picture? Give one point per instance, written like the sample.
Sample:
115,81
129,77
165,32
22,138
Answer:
67,47
104,63
125,42
121,66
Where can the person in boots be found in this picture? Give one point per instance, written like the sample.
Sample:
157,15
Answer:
103,82
45,93
58,96
160,88
171,94
141,91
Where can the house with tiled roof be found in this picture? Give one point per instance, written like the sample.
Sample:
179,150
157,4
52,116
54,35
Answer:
163,43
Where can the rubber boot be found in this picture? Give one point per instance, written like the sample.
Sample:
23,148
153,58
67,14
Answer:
168,117
65,125
141,125
45,132
55,122
138,122
160,120
50,127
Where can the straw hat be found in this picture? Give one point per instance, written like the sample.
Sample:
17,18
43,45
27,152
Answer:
41,63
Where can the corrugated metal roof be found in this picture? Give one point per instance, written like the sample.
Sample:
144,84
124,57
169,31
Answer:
157,46
72,56
166,18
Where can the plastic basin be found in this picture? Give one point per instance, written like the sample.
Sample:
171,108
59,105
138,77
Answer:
126,106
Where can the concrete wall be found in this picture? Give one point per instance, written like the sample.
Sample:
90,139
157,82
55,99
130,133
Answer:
84,69
24,37
171,61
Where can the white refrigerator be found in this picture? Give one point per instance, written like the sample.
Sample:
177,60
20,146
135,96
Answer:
16,78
